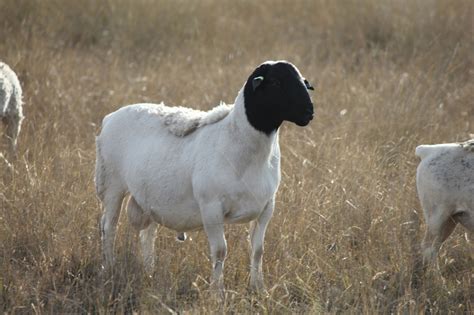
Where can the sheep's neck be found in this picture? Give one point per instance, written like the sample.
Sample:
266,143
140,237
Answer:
259,117
263,121
250,137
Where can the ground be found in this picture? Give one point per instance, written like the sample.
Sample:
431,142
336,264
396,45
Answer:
388,76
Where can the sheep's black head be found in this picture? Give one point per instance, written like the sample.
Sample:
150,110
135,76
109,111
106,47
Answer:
276,92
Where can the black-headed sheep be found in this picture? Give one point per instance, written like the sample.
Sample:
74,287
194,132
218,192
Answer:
187,169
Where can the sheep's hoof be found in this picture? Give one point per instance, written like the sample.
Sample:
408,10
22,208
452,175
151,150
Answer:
258,289
106,271
217,290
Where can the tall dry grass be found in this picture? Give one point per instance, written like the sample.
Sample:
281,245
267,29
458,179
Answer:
389,75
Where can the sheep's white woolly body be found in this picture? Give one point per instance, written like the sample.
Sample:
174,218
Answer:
175,205
223,172
445,184
10,103
182,121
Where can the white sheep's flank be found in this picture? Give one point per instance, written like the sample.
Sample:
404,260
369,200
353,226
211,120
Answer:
182,121
11,104
445,184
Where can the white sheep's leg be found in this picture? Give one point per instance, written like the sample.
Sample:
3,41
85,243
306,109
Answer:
142,222
147,240
257,235
13,130
112,201
439,225
466,219
213,220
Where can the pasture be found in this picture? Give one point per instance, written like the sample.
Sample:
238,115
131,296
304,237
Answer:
347,228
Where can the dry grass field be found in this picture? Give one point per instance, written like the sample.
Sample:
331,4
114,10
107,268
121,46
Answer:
389,75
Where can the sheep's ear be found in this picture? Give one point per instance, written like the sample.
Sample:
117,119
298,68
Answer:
256,82
308,85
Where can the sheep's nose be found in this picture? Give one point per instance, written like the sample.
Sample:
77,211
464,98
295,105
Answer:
308,115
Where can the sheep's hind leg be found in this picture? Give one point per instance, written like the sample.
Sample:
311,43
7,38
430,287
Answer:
466,218
112,200
438,227
147,240
142,222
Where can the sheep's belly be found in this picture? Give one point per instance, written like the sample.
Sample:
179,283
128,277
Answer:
179,218
186,219
182,221
186,216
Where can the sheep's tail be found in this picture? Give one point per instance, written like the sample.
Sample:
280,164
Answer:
422,151
100,172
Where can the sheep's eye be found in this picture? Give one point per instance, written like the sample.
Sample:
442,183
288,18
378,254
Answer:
273,82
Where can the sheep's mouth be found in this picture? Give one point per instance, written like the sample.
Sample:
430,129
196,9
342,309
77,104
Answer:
305,119
303,123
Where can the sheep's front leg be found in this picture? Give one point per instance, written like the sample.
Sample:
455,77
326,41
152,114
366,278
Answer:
438,227
213,220
257,235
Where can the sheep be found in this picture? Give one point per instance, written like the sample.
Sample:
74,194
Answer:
190,170
11,104
445,184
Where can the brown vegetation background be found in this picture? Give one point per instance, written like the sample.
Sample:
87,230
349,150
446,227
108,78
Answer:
389,75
